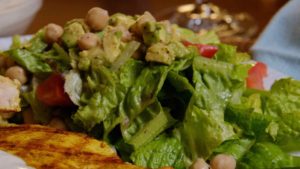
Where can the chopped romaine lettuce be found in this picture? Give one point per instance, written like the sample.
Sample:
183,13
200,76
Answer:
148,125
204,127
228,53
237,147
144,91
266,155
163,151
30,61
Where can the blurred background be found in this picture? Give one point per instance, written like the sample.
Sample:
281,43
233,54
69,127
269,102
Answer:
59,11
238,22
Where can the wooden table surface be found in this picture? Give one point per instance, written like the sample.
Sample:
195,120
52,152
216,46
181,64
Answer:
60,11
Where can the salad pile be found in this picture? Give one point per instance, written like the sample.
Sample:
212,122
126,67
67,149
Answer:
160,94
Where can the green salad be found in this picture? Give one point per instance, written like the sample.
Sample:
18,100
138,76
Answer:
162,95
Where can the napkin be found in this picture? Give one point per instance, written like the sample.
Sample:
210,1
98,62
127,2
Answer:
279,44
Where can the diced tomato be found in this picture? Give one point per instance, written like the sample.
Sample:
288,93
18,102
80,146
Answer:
207,51
51,91
256,76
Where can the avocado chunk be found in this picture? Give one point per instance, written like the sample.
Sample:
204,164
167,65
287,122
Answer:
72,32
166,53
141,20
155,32
119,19
91,57
112,43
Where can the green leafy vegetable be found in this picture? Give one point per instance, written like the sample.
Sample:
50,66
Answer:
37,44
237,148
106,96
228,53
267,155
204,127
149,124
30,61
140,95
163,151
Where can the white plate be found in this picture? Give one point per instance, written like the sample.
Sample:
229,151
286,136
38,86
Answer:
9,161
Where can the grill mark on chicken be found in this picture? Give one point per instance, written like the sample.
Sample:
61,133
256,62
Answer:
48,148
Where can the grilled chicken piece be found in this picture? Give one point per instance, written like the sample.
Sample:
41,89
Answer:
9,95
48,148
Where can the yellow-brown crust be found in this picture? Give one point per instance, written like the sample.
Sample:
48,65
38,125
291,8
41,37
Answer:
48,148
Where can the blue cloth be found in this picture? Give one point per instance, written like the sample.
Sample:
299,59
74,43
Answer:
279,44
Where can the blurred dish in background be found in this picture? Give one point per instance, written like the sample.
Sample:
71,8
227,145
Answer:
16,15
237,29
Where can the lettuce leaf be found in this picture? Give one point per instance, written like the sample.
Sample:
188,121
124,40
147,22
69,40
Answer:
37,44
266,155
30,61
285,97
127,75
229,53
148,125
271,115
216,83
252,124
163,151
144,91
284,103
106,94
237,147
107,90
100,105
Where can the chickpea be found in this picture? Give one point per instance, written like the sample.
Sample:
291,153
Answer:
139,25
28,117
97,18
53,32
199,164
57,123
223,161
18,73
88,41
126,35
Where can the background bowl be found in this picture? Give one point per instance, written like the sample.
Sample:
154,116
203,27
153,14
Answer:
16,15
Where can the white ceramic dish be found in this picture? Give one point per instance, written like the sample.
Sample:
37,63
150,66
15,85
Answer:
16,15
8,161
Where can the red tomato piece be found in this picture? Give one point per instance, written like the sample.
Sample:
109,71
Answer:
256,76
51,91
207,51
